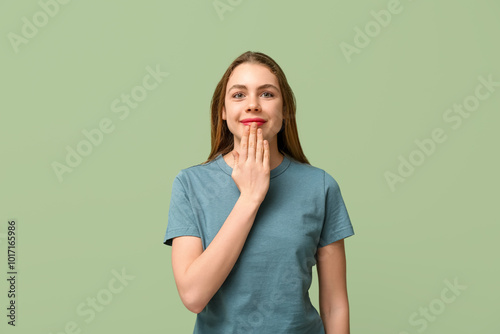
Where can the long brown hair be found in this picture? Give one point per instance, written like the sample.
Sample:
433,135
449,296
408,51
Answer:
288,137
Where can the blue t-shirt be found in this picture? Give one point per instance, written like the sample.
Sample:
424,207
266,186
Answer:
267,291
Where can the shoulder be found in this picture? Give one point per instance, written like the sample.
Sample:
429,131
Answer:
194,177
193,170
311,172
304,168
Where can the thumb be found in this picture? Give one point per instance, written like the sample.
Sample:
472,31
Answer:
236,157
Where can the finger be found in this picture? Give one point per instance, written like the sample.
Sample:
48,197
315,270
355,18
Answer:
244,143
267,155
252,141
260,147
235,159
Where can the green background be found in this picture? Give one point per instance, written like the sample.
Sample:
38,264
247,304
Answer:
355,119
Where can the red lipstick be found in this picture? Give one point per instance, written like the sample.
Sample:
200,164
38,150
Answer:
248,121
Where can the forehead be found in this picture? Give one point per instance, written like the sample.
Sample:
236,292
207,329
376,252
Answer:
252,75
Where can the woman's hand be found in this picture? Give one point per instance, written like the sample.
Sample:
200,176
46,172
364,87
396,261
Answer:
251,170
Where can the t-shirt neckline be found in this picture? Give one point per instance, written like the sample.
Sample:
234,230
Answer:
274,172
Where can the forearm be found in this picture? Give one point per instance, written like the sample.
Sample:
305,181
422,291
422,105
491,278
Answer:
336,321
205,275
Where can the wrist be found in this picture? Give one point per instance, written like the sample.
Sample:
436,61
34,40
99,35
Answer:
249,200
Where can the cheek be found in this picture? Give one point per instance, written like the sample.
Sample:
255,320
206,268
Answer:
277,127
232,122
230,111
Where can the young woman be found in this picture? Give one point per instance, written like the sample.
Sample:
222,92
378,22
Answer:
247,225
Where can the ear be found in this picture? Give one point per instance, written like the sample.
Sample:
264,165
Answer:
224,113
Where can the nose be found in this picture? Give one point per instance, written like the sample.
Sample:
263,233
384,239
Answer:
253,104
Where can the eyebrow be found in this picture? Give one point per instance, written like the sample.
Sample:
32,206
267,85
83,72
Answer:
260,87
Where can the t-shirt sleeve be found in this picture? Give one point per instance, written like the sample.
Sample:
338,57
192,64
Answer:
181,219
337,224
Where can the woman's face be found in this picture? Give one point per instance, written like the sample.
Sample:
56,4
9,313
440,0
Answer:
253,92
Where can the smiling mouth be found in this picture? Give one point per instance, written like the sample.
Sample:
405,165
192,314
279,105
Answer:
259,123
257,120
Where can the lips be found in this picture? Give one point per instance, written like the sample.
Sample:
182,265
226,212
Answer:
248,121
